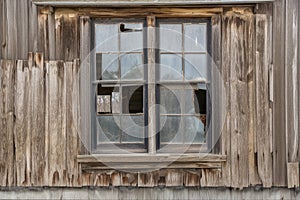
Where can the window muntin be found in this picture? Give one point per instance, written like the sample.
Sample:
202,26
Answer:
181,75
119,85
183,56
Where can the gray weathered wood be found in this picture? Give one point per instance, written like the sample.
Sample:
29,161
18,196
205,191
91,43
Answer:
72,121
37,105
12,29
22,30
22,173
226,136
85,85
7,123
279,137
217,86
59,30
292,81
57,135
293,175
263,41
151,86
33,27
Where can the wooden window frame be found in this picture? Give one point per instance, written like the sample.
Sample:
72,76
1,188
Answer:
85,156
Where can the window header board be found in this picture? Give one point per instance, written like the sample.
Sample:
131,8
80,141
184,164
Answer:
115,3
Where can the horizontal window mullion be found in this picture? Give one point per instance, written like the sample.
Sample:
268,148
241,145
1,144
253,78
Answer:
136,82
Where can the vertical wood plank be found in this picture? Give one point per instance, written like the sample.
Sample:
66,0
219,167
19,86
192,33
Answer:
191,178
4,30
252,132
51,33
292,81
174,178
211,178
38,119
1,25
22,173
85,88
293,175
279,138
217,86
148,179
263,42
72,102
57,139
226,67
7,123
43,42
11,7
22,30
241,29
33,27
59,45
71,37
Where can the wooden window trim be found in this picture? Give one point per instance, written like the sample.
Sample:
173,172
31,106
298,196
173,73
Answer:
148,161
142,2
202,160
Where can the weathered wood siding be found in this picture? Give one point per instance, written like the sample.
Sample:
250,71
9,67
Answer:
40,97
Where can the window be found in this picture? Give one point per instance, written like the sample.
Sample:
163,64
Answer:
124,113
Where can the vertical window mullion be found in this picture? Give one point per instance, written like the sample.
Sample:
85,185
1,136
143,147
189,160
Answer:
151,85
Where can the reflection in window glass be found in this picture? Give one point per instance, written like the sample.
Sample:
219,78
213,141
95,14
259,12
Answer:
106,37
109,130
132,38
132,66
195,67
171,130
170,100
195,37
107,64
194,130
133,129
170,67
170,37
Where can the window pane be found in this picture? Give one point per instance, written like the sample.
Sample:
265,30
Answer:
109,65
108,129
170,101
106,36
133,99
189,101
170,67
132,37
194,130
195,66
200,99
132,66
171,131
171,37
194,37
133,129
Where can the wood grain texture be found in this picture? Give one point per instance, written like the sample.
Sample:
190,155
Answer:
226,63
57,132
279,137
85,88
264,135
293,175
137,12
292,81
36,66
7,70
217,86
22,172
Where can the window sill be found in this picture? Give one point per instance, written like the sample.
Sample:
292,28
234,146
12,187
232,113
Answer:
146,161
